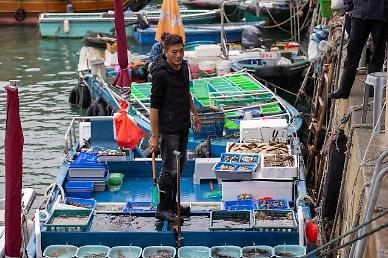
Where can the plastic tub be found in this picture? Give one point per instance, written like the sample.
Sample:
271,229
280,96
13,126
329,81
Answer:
294,250
89,250
60,251
272,204
226,250
126,251
223,67
194,252
258,251
207,68
239,205
153,250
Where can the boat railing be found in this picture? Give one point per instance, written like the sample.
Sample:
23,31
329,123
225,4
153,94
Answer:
73,130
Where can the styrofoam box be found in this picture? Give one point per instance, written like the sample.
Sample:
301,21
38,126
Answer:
204,169
263,130
278,172
281,189
111,59
84,132
207,51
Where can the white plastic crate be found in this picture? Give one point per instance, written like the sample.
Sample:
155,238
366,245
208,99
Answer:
263,130
278,172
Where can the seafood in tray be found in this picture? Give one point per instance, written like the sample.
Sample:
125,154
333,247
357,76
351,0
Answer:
283,160
258,148
274,219
231,220
240,158
110,207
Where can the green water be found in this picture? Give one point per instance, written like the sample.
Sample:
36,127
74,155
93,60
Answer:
47,72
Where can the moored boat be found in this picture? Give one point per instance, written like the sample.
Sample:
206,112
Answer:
73,25
211,32
27,12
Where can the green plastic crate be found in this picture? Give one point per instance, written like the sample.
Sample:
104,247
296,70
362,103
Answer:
73,213
270,109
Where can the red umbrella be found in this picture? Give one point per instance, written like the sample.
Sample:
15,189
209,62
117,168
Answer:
123,79
13,174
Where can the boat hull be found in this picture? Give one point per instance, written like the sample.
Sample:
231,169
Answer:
52,25
27,11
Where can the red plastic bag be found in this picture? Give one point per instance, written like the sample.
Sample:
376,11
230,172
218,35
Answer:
127,133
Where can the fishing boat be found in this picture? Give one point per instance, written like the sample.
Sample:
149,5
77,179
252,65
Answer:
73,25
232,10
285,70
206,32
27,12
98,221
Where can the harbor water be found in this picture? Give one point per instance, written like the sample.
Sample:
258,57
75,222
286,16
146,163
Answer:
47,70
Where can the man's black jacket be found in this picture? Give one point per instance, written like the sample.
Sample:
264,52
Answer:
170,94
368,9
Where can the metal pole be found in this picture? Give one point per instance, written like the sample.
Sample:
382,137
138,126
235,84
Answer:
178,190
377,178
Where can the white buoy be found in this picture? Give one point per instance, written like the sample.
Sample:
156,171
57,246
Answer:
66,26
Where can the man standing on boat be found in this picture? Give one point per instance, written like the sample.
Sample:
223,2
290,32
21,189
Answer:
171,103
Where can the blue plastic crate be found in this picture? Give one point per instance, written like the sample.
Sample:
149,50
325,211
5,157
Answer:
272,205
138,207
239,205
79,189
235,172
81,202
230,157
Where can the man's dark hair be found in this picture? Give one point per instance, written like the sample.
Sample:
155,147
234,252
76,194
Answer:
171,40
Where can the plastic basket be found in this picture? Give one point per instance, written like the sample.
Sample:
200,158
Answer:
92,250
66,251
194,252
236,173
80,202
152,250
257,251
239,205
231,220
52,224
226,251
276,220
212,123
272,204
125,251
294,250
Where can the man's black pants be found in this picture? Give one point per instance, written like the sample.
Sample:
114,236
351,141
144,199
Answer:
360,31
167,178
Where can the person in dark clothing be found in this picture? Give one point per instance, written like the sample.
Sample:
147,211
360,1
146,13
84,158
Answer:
157,49
171,103
367,17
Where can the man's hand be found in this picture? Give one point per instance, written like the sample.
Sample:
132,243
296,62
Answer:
349,14
197,123
153,143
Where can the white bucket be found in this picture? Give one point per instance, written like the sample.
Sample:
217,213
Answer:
223,67
207,68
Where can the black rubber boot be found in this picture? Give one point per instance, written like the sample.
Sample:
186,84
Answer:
345,87
165,209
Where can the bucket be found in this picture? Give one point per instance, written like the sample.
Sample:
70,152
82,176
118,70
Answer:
223,67
207,69
325,6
